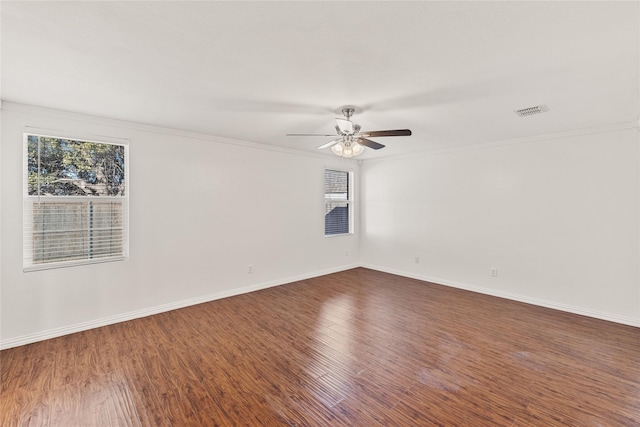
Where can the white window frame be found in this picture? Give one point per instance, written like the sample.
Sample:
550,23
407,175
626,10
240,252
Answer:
349,201
30,200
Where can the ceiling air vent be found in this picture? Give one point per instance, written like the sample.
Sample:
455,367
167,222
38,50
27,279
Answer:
532,111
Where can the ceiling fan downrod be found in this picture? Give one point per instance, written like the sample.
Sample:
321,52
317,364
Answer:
348,112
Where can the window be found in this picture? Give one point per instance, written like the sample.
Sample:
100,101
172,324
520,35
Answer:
338,212
75,202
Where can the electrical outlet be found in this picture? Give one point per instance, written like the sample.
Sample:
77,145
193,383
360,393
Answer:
417,260
250,269
494,272
346,253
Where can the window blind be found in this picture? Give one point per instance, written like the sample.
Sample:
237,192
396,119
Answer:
337,201
75,202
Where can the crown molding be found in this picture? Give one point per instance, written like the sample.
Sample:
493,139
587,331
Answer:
605,128
141,127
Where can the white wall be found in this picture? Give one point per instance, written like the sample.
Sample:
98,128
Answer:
192,236
558,217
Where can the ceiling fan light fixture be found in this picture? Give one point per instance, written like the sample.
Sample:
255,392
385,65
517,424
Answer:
347,150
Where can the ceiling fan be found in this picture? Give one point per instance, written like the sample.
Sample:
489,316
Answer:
351,141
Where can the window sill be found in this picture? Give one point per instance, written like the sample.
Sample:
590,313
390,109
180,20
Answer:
338,235
54,265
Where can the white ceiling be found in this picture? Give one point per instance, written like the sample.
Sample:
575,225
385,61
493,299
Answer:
452,72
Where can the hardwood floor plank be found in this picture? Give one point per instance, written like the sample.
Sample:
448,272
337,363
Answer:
356,348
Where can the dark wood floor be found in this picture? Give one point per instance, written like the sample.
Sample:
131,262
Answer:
357,348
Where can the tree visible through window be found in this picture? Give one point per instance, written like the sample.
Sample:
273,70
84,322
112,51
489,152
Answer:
337,202
75,202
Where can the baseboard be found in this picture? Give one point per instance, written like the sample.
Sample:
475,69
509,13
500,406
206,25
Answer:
83,326
105,321
514,297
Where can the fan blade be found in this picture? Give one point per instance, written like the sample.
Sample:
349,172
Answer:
369,143
378,133
345,126
308,134
329,144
